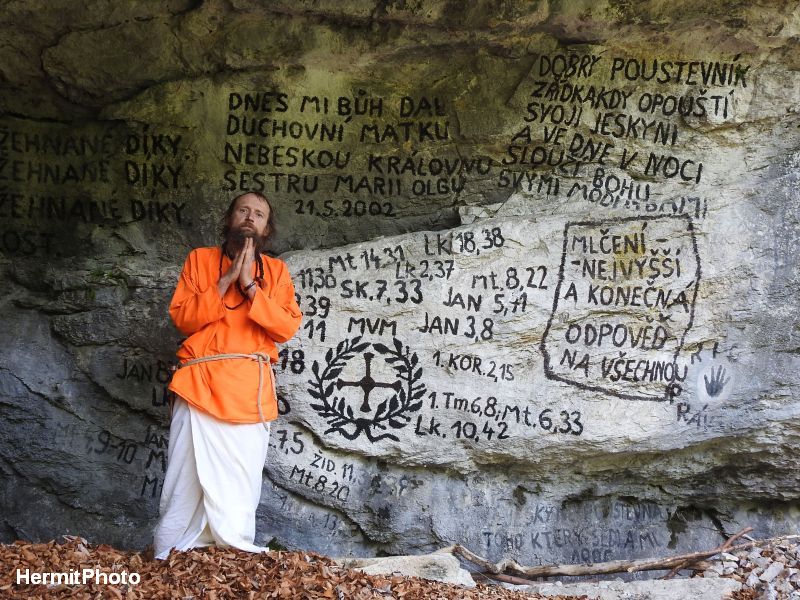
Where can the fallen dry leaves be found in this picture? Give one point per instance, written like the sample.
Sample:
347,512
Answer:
217,574
744,594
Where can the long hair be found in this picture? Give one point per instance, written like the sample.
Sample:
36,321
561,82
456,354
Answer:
226,218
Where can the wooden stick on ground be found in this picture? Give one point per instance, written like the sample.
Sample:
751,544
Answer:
509,566
659,563
701,565
719,550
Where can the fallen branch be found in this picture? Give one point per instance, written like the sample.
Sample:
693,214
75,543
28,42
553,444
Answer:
701,565
511,567
725,546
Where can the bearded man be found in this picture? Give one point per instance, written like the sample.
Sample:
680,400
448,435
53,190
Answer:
234,303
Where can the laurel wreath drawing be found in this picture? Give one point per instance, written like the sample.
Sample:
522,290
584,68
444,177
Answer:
392,413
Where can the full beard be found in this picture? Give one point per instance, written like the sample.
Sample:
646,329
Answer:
234,242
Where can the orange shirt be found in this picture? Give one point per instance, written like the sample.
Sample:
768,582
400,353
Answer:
227,389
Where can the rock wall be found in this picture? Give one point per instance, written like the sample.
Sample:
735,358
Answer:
546,254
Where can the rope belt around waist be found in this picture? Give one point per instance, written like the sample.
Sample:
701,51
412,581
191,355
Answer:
261,359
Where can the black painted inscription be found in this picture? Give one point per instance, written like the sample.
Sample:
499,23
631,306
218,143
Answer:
618,145
623,304
156,375
37,158
452,305
26,242
310,146
152,160
268,150
478,418
590,532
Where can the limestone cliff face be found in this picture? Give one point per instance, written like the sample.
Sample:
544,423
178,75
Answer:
546,254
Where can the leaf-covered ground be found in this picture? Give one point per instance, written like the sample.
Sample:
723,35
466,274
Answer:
216,573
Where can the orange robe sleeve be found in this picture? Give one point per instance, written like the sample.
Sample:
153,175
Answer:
195,303
275,308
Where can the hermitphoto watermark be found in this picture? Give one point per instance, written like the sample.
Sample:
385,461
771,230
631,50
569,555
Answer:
77,577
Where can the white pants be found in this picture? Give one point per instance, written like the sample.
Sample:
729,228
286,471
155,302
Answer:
213,482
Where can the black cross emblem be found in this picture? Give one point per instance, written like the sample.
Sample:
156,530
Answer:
367,383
